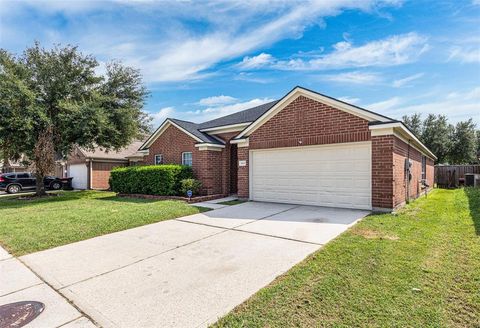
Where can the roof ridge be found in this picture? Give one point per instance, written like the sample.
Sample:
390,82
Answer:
240,111
177,119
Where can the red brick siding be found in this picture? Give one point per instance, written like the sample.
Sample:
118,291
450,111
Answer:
101,174
242,173
308,122
400,152
207,165
303,122
382,171
226,159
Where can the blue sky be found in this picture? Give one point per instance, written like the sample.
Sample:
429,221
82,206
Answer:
201,60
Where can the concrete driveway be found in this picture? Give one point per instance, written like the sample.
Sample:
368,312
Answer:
190,271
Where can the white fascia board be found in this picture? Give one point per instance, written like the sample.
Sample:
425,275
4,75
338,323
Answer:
162,129
398,129
240,142
209,146
226,128
298,91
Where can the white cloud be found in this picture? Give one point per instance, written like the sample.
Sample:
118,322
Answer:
355,77
213,112
381,106
457,106
161,115
465,54
391,51
158,39
350,100
216,100
402,82
256,61
249,77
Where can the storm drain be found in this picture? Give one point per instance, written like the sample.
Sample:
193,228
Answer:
18,314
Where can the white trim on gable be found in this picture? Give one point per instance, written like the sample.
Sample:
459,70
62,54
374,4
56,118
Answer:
226,128
162,129
299,91
400,131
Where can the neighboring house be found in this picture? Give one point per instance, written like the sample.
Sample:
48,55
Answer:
306,148
12,166
91,169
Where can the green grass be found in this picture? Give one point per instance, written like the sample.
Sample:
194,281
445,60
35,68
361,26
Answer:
28,226
232,202
417,268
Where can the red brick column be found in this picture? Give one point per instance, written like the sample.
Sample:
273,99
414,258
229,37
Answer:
382,172
243,173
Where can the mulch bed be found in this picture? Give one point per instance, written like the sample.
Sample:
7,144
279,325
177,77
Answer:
195,199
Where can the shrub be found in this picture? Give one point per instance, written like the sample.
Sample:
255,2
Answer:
190,184
150,180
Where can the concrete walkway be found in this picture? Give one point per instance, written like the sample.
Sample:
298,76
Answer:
190,271
215,203
18,283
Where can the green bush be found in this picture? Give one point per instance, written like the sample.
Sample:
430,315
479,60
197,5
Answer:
190,184
162,180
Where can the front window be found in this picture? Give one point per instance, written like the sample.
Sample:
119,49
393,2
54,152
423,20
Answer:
187,158
424,167
158,159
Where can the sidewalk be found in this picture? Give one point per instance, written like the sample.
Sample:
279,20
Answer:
19,283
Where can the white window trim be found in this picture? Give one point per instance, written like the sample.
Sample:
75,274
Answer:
191,157
161,159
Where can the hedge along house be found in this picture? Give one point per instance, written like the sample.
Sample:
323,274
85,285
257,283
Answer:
306,148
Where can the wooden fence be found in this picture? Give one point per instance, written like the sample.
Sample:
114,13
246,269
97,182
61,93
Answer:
450,176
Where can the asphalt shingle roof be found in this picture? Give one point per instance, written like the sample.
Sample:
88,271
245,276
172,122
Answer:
247,115
193,128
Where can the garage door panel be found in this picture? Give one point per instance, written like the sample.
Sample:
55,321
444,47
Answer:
79,173
334,175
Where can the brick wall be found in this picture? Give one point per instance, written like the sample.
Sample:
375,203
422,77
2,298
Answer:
303,122
308,122
382,171
242,183
101,174
401,151
208,166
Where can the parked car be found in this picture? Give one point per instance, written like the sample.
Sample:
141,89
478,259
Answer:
16,182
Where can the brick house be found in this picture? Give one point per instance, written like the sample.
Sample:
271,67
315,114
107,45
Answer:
306,148
90,169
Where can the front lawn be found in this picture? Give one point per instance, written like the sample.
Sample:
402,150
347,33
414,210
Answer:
418,268
28,226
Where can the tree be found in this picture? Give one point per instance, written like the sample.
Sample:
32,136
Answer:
414,123
464,149
478,146
437,135
52,100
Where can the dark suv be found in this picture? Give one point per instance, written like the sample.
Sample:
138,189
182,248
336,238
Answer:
16,182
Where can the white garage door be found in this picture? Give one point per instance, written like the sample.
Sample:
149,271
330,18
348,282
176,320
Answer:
79,174
331,175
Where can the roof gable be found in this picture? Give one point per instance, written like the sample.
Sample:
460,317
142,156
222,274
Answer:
299,91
